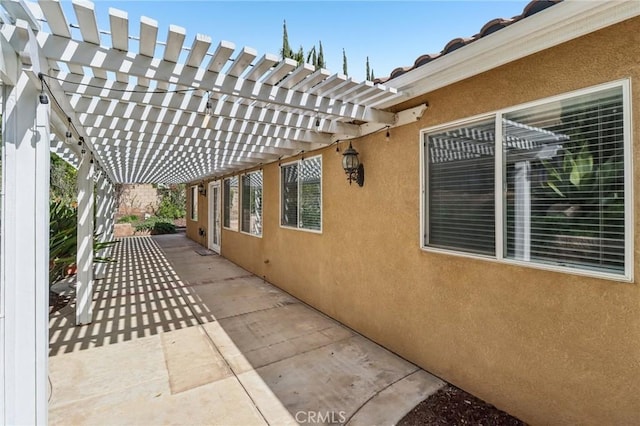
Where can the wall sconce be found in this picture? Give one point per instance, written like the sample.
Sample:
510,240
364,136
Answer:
352,166
202,190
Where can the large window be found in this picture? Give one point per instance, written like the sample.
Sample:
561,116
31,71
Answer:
559,167
194,203
252,203
301,194
230,203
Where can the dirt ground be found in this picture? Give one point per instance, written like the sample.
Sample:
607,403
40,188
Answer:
453,406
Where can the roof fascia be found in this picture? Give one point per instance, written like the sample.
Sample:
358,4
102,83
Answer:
560,23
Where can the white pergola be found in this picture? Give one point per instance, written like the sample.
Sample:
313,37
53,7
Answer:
144,109
125,106
170,110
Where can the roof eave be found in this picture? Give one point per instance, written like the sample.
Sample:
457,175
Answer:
560,23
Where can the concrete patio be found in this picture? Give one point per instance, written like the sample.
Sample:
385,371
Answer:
183,336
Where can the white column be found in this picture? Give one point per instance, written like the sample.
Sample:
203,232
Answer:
24,310
102,205
84,283
111,210
522,210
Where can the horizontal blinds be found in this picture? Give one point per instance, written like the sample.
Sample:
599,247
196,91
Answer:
289,195
246,204
565,192
256,203
310,178
460,182
230,203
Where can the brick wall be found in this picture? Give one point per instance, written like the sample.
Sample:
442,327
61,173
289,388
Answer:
137,199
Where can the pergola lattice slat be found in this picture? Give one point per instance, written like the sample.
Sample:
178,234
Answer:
262,107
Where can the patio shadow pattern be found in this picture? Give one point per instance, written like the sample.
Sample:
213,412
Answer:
182,337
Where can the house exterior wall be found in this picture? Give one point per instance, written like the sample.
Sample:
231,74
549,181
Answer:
548,347
201,223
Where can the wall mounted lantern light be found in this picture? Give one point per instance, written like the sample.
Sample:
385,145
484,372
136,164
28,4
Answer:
202,190
352,166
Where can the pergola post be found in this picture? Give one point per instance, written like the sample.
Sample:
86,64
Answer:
102,211
84,283
111,210
24,315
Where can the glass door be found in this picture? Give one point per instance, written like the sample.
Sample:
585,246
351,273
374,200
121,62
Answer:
214,216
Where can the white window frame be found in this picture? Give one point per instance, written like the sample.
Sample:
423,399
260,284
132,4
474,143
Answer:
314,231
241,207
499,257
224,213
193,214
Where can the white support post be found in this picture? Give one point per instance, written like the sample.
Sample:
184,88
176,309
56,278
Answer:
102,205
111,211
84,283
24,311
523,211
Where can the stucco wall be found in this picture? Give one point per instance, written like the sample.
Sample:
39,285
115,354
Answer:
548,347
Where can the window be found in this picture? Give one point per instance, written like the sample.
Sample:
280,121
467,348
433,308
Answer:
301,194
230,203
252,203
194,202
563,200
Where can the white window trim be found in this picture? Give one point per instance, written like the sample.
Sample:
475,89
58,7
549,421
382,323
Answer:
628,275
240,206
224,195
297,228
193,214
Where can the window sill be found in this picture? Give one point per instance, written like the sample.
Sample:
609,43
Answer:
311,231
624,279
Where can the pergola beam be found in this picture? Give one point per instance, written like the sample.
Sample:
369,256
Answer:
164,71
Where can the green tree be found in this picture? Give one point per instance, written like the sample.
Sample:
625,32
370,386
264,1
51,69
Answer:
344,63
173,201
321,62
312,57
286,51
62,180
299,56
368,71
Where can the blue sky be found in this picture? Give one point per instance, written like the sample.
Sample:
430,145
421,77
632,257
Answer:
391,33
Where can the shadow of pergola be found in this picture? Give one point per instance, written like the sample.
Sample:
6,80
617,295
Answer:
141,295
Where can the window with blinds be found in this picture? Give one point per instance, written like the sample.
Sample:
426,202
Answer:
460,182
301,194
564,175
194,203
230,203
564,201
252,203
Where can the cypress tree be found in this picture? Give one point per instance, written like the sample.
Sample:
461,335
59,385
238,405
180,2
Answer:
299,56
368,71
321,63
372,76
344,62
286,48
312,57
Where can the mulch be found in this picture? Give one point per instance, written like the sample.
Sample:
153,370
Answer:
453,406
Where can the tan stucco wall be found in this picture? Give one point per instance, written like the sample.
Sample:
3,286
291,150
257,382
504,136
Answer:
550,348
193,226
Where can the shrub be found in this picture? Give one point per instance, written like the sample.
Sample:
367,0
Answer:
173,202
132,218
63,240
156,225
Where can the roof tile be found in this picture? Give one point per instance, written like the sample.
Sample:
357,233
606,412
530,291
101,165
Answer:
490,27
